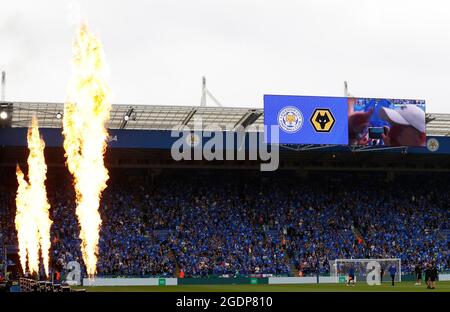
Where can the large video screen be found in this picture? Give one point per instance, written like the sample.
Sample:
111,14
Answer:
386,122
345,121
306,119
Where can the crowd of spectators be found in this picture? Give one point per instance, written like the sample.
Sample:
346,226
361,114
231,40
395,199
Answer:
240,223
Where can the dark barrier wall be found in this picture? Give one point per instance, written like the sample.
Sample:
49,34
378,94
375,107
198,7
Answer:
157,139
162,139
118,138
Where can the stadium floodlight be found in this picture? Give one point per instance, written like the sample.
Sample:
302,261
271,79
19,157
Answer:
3,115
189,116
429,118
6,113
249,118
126,118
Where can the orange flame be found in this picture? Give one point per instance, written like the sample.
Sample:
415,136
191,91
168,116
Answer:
32,215
84,127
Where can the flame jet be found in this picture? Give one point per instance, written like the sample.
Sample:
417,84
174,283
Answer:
32,215
86,113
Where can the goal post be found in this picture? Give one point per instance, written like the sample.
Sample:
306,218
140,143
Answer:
372,271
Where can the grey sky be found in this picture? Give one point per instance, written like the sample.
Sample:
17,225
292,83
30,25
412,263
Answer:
157,51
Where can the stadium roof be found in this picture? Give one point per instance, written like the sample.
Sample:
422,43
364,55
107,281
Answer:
165,117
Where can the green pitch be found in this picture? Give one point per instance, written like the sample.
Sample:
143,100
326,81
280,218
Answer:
399,287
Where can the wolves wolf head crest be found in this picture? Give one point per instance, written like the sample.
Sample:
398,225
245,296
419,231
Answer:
322,120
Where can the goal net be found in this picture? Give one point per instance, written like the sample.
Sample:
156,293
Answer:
372,271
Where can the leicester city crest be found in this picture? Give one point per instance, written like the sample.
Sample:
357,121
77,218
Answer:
290,119
433,144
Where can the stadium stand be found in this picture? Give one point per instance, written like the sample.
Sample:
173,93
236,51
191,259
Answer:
207,223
